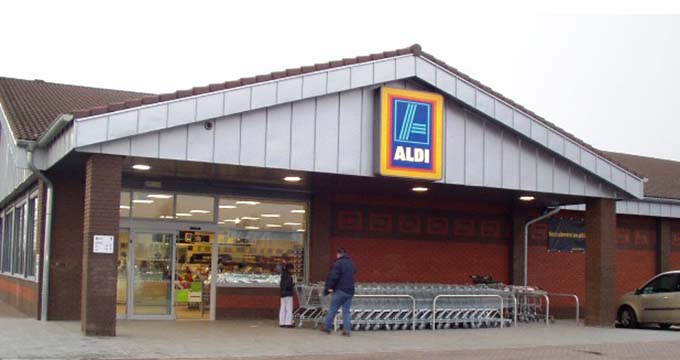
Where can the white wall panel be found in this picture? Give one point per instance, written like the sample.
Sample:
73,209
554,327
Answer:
228,139
426,71
406,67
511,162
474,150
493,156
544,172
503,113
303,135
527,166
361,75
521,123
485,103
237,100
253,136
446,82
289,90
326,147
210,106
338,80
314,85
384,71
349,133
153,118
116,147
454,138
263,95
182,112
539,133
122,124
173,143
200,143
91,131
145,145
561,177
278,136
465,93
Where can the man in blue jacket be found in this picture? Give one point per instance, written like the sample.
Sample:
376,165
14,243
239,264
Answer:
340,283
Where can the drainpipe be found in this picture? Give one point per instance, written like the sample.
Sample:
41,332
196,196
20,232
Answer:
526,236
45,139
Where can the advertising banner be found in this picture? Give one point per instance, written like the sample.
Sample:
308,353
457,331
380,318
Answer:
566,235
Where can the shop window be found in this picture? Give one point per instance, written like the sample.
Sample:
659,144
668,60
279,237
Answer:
125,204
19,240
195,208
32,234
6,244
255,237
146,205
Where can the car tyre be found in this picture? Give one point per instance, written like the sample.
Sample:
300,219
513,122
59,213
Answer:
664,326
627,318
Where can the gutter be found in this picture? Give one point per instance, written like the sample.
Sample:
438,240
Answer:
31,146
526,237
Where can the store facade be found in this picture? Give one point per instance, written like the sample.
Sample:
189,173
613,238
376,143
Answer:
183,205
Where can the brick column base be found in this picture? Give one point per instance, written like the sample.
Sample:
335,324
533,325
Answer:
519,219
601,299
102,199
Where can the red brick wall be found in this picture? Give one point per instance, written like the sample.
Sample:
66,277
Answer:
21,294
675,245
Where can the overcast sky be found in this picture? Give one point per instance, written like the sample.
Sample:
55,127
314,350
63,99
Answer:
611,80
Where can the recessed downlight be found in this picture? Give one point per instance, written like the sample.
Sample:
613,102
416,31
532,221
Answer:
142,167
292,178
183,214
142,201
235,221
527,198
159,196
252,227
227,206
270,215
249,218
125,207
247,202
292,223
298,211
273,225
300,230
420,189
199,211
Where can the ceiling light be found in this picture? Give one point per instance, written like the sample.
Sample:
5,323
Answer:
195,211
235,221
183,214
159,196
247,202
166,217
419,189
227,206
270,215
125,207
527,198
220,222
273,225
292,224
251,227
249,218
300,230
140,201
141,167
292,178
298,211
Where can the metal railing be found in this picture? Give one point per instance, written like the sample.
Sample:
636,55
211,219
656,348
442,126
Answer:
576,300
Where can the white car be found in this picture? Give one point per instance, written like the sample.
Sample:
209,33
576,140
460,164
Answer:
656,302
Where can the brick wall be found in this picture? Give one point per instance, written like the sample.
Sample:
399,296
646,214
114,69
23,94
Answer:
67,241
20,294
675,245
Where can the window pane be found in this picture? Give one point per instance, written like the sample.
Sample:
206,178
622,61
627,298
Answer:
124,204
152,205
6,242
32,236
195,208
256,237
18,241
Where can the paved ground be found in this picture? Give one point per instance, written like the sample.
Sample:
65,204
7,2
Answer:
22,338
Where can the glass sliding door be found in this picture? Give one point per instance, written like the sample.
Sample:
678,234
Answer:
152,276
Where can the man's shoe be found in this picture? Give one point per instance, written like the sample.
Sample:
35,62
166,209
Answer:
345,333
323,330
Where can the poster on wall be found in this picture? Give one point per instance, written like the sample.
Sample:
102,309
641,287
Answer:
566,235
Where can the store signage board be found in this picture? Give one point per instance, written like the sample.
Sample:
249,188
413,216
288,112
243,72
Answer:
411,127
102,244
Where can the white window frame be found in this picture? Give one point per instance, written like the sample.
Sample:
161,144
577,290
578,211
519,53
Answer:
7,237
22,202
22,242
36,214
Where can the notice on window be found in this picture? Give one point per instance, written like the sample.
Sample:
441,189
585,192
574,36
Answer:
103,244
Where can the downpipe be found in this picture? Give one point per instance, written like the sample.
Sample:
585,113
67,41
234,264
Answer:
526,237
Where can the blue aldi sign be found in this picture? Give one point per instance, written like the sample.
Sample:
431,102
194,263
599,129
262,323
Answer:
411,134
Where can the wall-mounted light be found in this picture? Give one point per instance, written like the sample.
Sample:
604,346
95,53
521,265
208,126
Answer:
527,198
292,178
420,189
141,167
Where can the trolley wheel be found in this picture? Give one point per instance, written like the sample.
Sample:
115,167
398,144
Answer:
627,317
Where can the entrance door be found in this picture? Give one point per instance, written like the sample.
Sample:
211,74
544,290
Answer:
151,275
193,265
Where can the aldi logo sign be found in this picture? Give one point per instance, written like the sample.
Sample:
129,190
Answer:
411,134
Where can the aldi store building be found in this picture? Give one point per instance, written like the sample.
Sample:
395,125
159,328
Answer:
121,205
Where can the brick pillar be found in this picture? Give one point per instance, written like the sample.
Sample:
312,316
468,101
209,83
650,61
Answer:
102,199
663,243
320,236
519,219
601,298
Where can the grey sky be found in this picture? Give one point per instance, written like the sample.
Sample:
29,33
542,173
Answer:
610,80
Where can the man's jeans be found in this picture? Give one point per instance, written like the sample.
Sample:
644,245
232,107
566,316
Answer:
343,299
